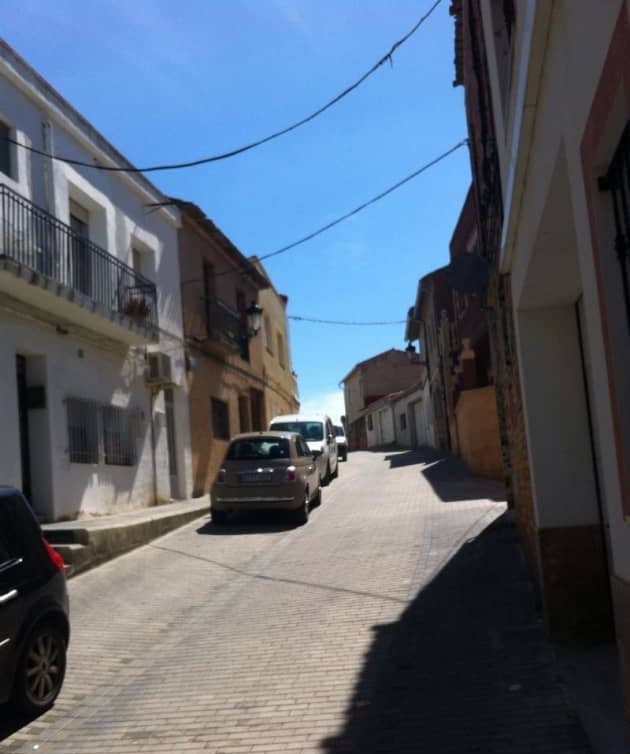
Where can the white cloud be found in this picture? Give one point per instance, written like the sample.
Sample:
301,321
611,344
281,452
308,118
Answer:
330,403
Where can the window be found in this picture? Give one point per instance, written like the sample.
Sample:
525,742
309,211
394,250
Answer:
280,341
243,336
19,531
243,413
119,436
82,431
255,449
208,293
5,150
617,182
370,423
268,342
313,431
403,421
81,258
220,419
119,428
302,448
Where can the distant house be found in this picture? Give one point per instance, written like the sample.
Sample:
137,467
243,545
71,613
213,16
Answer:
370,380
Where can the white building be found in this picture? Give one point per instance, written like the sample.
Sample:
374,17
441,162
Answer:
559,76
89,287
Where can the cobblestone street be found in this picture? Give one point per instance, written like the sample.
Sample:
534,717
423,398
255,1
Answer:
399,619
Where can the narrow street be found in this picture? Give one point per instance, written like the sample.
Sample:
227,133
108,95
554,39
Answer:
399,619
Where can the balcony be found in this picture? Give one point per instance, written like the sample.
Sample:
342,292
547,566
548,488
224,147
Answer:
226,333
50,267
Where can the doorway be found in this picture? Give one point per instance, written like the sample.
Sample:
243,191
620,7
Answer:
169,409
25,442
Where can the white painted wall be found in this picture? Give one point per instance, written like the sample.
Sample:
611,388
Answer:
118,221
559,57
411,406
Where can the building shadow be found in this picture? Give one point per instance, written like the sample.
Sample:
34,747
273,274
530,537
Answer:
466,668
448,475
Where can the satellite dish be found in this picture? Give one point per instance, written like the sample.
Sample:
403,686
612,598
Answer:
468,273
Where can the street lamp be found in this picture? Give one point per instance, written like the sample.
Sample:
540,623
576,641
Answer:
254,318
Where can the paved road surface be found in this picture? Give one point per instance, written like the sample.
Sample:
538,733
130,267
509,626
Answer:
399,619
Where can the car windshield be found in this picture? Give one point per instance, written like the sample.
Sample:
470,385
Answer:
258,448
339,431
310,431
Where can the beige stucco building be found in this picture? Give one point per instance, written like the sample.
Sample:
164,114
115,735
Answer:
225,362
281,387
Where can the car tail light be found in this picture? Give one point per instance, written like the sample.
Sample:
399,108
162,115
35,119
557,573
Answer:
221,477
54,556
291,474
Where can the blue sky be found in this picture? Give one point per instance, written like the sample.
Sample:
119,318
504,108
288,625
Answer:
170,81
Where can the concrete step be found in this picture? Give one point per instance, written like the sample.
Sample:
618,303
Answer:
85,544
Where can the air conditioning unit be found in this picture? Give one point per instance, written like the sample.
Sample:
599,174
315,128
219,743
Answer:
159,369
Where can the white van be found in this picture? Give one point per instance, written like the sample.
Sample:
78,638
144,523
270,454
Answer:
319,433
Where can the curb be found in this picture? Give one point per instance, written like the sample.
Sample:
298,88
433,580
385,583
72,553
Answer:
83,548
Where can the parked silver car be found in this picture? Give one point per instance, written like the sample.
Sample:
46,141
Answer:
266,471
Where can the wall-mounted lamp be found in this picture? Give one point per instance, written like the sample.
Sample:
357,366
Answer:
254,319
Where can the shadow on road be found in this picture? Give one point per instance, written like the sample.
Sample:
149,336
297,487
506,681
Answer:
255,522
467,667
11,721
448,475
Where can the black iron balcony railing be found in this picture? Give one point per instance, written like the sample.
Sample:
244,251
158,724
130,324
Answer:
39,241
227,325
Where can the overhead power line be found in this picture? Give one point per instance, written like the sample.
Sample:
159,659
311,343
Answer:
353,212
367,204
239,150
345,322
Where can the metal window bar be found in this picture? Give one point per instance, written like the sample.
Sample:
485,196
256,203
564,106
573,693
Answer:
82,419
39,241
617,181
119,436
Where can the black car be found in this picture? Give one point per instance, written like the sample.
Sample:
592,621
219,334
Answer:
34,625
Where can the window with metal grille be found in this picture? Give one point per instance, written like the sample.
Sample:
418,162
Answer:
119,436
220,419
617,182
82,431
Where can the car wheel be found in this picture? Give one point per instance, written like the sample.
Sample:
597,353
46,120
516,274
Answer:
336,472
219,517
326,479
301,514
40,670
317,500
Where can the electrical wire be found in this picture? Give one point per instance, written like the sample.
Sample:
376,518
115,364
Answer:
234,152
358,209
345,322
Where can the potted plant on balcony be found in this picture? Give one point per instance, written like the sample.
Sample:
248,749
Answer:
137,309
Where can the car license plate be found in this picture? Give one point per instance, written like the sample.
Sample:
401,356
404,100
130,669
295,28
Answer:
256,476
